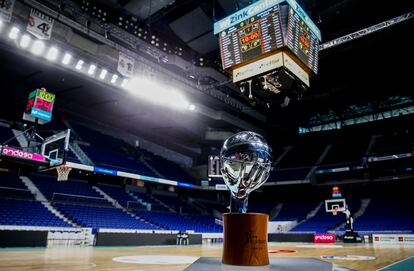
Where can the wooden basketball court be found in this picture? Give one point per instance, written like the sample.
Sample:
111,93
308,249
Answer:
101,258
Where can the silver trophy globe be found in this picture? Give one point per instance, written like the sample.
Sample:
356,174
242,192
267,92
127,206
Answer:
246,160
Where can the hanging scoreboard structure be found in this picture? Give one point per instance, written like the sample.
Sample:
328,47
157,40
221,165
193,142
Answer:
272,39
39,106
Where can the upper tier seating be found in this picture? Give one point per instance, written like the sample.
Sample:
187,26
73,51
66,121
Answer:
122,197
169,170
12,187
305,152
116,160
387,215
175,203
295,210
6,134
294,174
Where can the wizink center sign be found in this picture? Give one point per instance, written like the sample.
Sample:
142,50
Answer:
261,6
244,14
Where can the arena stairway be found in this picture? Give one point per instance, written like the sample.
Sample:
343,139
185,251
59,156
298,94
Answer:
20,137
140,200
44,201
80,154
275,211
311,214
363,207
163,204
148,165
113,201
116,204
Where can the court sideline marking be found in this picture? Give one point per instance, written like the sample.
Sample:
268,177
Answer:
400,264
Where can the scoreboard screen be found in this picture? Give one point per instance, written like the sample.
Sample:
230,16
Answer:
253,37
40,105
303,43
266,26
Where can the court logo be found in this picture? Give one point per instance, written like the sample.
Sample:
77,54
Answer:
348,257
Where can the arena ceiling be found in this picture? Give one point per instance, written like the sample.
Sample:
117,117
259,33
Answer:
368,69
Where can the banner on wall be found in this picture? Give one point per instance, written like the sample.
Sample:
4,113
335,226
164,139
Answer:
6,10
40,25
393,239
126,65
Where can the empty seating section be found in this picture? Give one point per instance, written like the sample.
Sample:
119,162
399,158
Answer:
173,221
102,217
155,205
296,210
115,160
72,157
339,152
28,213
386,144
75,192
122,197
294,174
169,169
305,152
6,134
175,203
323,221
12,187
97,138
256,206
387,215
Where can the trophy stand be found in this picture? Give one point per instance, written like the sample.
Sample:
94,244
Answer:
245,239
246,160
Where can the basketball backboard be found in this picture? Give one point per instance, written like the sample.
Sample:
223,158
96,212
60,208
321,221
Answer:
55,148
335,204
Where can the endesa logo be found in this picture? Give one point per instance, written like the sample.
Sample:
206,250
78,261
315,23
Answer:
324,238
6,151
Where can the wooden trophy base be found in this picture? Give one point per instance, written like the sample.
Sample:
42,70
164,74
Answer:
245,239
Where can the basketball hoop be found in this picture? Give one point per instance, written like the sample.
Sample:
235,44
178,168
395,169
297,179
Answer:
63,172
335,211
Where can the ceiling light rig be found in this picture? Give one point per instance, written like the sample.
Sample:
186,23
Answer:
41,48
146,88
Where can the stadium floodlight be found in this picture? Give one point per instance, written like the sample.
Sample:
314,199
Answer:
66,59
52,54
157,93
92,69
114,78
25,41
38,47
191,107
103,74
125,83
79,65
14,33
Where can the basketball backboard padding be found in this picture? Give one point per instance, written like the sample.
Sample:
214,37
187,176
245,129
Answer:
338,204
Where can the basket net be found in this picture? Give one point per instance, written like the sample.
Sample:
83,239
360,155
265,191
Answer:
63,172
335,211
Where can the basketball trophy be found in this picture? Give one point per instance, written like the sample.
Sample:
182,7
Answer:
246,160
